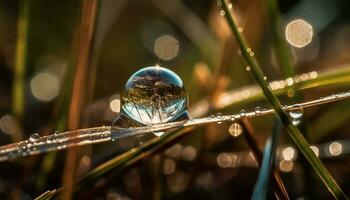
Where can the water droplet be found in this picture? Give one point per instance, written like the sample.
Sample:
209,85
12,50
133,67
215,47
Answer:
235,129
218,115
233,118
265,78
159,133
247,68
296,114
230,6
243,113
240,29
219,122
34,137
258,109
218,4
222,12
251,53
249,50
152,95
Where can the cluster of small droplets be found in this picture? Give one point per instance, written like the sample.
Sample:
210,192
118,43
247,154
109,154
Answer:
249,50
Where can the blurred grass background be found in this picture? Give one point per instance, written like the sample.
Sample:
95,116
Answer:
190,38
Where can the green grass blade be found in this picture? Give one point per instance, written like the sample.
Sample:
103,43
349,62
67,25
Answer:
20,59
282,51
47,195
131,156
293,132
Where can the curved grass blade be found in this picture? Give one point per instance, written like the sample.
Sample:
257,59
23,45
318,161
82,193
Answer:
337,76
60,141
261,186
132,156
278,185
47,195
21,59
294,132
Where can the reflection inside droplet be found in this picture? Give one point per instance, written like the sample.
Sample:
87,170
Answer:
296,115
152,95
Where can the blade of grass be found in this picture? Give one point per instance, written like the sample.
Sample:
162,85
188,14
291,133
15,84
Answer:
284,58
294,132
84,38
47,195
279,188
261,185
132,156
18,99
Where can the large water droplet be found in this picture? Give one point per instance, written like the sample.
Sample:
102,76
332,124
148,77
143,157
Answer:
34,137
296,115
152,95
235,129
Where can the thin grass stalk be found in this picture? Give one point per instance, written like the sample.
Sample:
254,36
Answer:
132,156
47,195
293,131
267,166
84,38
280,190
285,61
20,60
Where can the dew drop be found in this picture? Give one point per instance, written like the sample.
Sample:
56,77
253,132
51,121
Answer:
235,129
34,137
222,12
152,95
218,4
296,114
258,109
249,50
159,133
265,78
243,113
247,68
230,6
240,29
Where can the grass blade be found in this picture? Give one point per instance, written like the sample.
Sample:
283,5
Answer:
18,96
278,186
84,37
47,195
294,132
261,186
